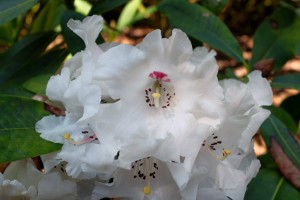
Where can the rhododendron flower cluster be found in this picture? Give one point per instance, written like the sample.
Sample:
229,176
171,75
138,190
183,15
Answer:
150,121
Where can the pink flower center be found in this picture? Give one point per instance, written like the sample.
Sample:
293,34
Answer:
161,93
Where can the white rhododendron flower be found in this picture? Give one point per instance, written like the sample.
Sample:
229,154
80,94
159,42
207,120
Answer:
227,155
170,130
21,180
168,98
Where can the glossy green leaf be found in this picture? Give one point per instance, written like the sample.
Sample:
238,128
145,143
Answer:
101,7
287,81
202,24
269,184
277,37
10,9
128,13
46,64
273,127
37,84
49,17
23,53
285,117
215,6
18,139
290,104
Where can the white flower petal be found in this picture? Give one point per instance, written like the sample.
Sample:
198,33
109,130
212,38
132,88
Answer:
260,88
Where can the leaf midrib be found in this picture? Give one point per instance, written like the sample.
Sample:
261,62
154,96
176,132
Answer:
283,140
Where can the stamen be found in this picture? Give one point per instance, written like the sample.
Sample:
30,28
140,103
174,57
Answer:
226,152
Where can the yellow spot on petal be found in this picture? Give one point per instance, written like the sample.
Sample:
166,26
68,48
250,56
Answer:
67,136
147,190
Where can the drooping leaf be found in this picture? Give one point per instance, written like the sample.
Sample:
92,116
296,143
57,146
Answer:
287,81
202,24
24,52
10,9
277,37
101,7
290,105
18,139
269,184
285,117
285,165
275,128
49,17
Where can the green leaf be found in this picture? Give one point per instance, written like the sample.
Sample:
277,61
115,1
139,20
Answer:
273,127
202,24
37,84
269,184
277,37
18,139
287,81
285,117
128,13
101,7
290,104
215,6
10,9
23,53
49,17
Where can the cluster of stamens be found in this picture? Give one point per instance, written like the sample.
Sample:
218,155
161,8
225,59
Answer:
159,95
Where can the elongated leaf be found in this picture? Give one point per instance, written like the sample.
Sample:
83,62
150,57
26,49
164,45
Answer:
290,104
285,165
24,52
18,139
49,17
128,13
215,6
277,37
46,64
101,7
285,117
10,9
287,81
270,185
202,24
273,127
37,84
